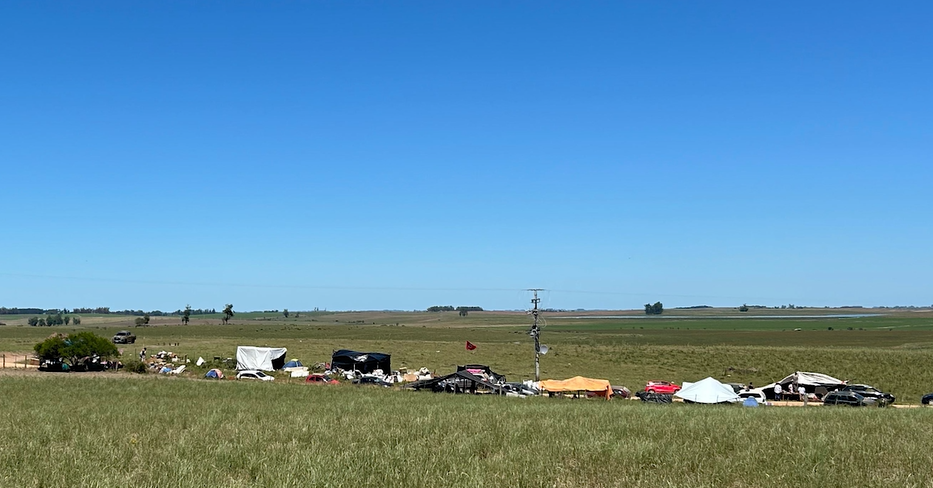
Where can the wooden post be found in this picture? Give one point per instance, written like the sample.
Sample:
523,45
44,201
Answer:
4,361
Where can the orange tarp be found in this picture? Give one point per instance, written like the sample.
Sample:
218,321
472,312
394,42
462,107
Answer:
578,383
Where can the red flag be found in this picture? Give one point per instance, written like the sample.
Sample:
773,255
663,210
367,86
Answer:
470,346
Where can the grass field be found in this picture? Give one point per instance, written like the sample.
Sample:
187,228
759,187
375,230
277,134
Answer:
68,430
122,429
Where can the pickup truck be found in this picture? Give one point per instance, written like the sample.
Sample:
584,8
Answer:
124,337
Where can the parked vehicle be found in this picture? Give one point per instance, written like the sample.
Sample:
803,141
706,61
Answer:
124,337
756,393
848,398
927,399
371,380
663,387
320,380
250,374
871,392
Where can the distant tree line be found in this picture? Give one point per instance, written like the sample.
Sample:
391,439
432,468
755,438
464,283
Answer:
451,308
656,309
50,320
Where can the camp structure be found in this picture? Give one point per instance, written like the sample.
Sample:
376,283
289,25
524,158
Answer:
362,362
484,372
215,374
817,383
707,390
461,381
261,358
578,384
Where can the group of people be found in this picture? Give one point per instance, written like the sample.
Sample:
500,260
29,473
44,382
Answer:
780,395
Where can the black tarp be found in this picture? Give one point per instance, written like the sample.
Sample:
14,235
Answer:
364,362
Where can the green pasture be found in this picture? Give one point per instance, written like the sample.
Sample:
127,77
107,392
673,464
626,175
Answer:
121,430
892,351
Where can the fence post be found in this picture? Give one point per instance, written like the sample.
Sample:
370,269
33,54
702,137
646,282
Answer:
4,361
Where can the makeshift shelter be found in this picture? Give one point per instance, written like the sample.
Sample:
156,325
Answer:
261,358
576,384
363,362
460,382
215,374
817,383
707,390
483,371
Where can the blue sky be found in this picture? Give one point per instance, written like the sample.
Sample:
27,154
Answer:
398,155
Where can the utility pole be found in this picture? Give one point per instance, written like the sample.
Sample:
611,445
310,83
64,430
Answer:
535,331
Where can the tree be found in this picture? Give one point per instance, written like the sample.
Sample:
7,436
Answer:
33,321
656,309
187,316
67,319
228,313
146,319
73,348
76,320
140,321
285,313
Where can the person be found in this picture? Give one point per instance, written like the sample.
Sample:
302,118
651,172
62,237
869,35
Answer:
778,392
803,394
750,386
142,354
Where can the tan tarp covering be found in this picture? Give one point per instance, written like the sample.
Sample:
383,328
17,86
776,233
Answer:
578,383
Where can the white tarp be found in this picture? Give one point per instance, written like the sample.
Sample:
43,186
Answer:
707,390
810,379
248,357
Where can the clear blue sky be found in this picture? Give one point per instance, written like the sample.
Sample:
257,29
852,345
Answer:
398,155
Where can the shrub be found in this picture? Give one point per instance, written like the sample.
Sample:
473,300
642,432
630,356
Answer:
135,366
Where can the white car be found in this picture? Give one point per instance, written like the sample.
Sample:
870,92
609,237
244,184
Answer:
250,374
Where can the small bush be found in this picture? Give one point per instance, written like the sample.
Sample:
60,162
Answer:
135,366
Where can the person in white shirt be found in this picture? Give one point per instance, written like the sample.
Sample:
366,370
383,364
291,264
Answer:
803,395
778,392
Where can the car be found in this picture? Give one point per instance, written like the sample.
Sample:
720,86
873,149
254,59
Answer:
124,337
848,398
320,380
663,387
866,391
372,380
755,393
251,374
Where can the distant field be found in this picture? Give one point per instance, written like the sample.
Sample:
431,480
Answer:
890,351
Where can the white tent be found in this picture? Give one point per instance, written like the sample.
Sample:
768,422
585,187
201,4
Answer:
261,358
707,390
811,379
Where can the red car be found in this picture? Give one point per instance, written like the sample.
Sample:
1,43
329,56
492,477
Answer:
665,387
320,379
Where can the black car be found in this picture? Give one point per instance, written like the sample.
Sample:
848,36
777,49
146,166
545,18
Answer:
927,399
848,398
372,380
871,392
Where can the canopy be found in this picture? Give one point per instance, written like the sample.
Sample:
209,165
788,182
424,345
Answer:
707,390
261,358
578,383
803,378
364,362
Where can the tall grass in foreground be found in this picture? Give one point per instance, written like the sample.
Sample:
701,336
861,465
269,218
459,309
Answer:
68,430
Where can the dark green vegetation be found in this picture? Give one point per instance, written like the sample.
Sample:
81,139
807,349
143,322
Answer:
73,348
123,430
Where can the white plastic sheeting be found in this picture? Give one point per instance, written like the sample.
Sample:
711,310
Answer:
249,357
708,390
